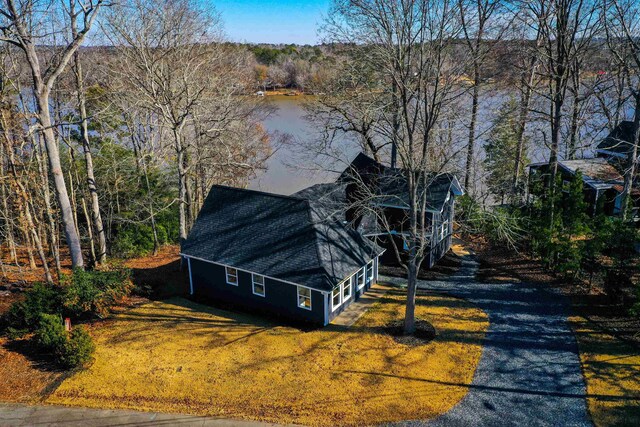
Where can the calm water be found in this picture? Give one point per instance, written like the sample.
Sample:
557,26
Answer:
291,167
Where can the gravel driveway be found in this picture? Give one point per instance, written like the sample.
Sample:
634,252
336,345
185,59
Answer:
529,373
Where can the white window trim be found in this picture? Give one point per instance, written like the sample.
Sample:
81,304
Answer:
226,272
369,273
247,271
339,288
253,285
343,285
444,229
298,296
363,280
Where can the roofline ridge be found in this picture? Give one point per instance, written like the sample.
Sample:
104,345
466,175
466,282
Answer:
316,242
264,193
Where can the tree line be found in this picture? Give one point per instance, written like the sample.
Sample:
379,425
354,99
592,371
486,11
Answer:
111,148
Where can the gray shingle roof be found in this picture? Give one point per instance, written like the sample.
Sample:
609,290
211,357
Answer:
285,237
620,140
388,186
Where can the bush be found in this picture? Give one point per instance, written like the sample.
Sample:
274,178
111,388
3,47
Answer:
42,298
501,225
94,292
81,294
77,349
70,349
50,334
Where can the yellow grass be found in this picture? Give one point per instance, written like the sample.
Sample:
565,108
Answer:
612,372
180,356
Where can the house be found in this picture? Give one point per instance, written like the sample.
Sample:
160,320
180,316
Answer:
602,177
292,256
385,191
617,146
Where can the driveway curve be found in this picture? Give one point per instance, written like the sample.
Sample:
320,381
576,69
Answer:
529,373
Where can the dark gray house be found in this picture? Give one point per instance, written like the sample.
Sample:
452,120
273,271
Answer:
602,175
385,189
292,256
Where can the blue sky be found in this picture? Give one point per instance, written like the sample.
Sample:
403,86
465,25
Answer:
270,21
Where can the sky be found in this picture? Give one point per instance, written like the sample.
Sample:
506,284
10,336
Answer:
271,21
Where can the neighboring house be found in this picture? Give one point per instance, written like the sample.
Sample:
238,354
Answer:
385,190
292,256
617,146
601,175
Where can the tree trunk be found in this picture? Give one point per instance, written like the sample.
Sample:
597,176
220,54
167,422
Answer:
556,120
36,240
42,169
524,114
182,184
96,217
472,129
630,170
9,222
55,167
410,309
575,115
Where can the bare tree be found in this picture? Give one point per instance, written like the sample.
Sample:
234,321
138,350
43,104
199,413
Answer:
567,28
476,17
172,57
410,44
622,24
96,216
23,25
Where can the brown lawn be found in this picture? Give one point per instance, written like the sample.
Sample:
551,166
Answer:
179,356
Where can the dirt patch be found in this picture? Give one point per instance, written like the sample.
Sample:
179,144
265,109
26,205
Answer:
424,333
502,264
25,376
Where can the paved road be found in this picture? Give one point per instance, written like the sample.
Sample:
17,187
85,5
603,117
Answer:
49,415
529,372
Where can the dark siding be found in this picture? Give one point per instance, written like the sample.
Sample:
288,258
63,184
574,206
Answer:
281,299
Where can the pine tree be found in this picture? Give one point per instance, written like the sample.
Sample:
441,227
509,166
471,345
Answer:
501,148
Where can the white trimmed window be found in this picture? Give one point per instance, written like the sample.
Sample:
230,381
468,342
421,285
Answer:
346,289
336,298
361,278
444,229
232,276
304,298
258,284
370,272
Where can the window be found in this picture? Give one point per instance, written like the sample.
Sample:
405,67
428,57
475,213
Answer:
346,289
232,276
336,298
370,272
258,284
566,185
444,229
360,278
304,298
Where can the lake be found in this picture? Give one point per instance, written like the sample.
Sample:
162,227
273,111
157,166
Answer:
291,168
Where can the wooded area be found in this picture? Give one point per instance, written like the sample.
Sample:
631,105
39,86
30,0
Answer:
117,118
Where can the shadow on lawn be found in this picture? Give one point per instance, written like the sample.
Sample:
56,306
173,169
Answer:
161,281
28,348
